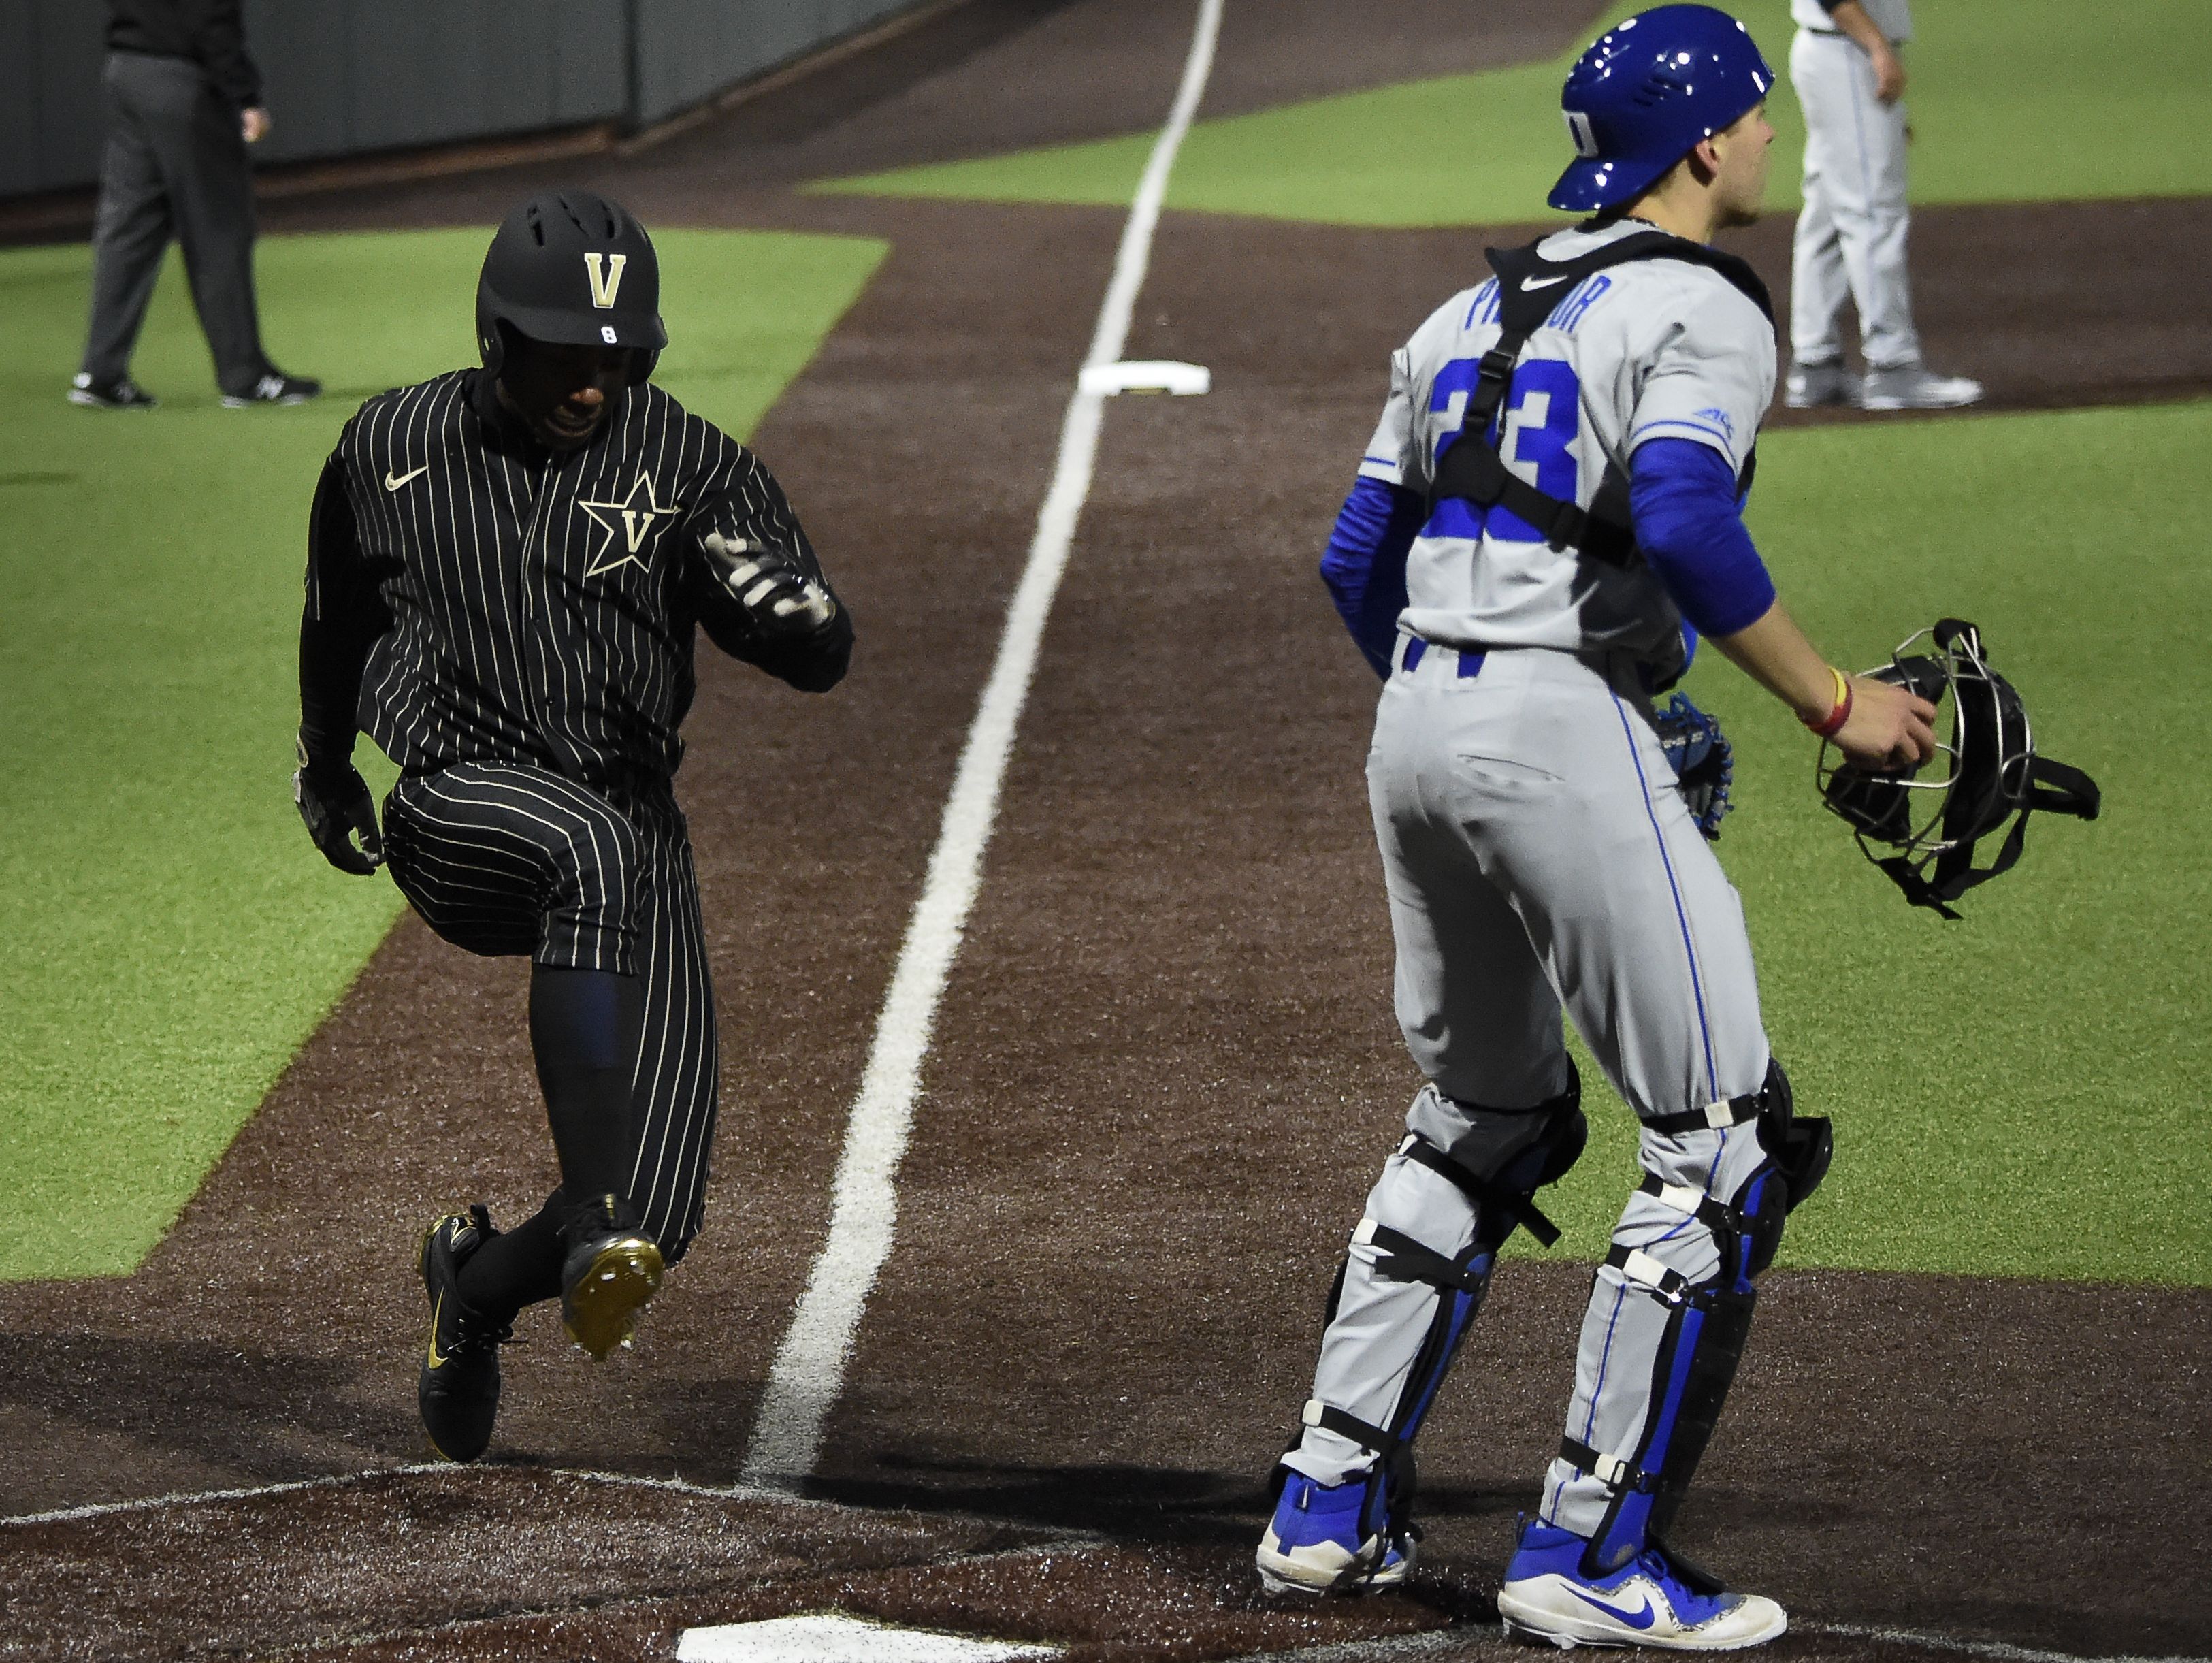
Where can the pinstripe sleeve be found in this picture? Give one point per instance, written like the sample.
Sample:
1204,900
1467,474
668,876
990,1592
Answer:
742,500
343,616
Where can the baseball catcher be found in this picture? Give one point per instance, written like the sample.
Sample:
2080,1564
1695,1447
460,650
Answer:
1547,518
507,567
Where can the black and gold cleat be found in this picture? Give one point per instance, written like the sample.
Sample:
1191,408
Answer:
458,1391
611,1270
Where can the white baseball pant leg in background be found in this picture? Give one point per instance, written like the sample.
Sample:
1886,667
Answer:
1853,228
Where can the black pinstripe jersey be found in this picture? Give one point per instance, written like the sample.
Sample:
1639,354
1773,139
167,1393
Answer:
505,603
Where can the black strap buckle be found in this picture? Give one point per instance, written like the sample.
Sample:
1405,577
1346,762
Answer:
1522,1209
1611,1471
1715,1215
1404,1260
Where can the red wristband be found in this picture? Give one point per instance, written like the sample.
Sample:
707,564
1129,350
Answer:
1840,713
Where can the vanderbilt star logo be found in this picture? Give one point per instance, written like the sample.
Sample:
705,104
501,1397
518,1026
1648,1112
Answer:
636,527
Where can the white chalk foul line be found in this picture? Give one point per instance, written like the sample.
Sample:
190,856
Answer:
209,1498
1066,1541
809,1370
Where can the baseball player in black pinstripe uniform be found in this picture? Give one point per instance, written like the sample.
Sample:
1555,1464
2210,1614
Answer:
504,567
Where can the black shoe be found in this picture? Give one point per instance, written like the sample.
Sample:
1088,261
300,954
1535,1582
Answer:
121,393
275,388
611,1269
458,1389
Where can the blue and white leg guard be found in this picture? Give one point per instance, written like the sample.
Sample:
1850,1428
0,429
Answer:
1413,1279
1670,1312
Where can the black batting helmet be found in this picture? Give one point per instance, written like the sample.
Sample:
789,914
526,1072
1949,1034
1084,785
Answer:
1993,771
575,270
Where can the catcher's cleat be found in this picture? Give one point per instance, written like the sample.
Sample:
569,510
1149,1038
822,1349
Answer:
1652,1600
458,1391
1317,1544
612,1267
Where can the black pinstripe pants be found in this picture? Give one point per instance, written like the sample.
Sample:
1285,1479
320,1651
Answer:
502,859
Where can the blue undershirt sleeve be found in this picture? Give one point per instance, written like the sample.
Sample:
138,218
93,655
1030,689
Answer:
1364,566
1689,524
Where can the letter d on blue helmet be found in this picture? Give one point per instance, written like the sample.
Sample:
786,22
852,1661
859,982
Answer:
1646,92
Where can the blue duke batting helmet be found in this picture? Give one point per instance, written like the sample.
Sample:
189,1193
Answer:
1643,95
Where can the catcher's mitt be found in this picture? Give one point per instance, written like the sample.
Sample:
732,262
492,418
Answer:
1702,760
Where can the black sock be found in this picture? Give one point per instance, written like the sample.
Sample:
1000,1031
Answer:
521,1267
584,1027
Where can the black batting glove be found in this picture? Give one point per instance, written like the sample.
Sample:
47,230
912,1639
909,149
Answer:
335,803
783,601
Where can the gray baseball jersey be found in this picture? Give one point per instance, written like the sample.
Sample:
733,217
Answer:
1650,349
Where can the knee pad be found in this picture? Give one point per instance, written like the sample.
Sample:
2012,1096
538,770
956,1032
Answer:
1501,1202
1707,1322
1505,1199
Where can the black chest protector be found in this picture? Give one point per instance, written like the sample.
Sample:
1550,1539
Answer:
1474,468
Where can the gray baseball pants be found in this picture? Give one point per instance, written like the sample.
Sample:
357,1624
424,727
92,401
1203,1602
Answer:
174,166
1541,862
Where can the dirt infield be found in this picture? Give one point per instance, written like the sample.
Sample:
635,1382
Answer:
1164,1069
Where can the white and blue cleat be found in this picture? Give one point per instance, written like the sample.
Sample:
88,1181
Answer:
1647,1602
1318,1542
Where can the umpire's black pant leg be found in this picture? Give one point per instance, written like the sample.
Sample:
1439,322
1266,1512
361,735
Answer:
678,1067
176,162
130,230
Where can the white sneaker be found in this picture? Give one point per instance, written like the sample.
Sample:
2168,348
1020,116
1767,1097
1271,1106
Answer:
1318,1543
1810,386
1647,1602
1916,386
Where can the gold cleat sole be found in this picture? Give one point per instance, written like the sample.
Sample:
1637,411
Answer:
600,1308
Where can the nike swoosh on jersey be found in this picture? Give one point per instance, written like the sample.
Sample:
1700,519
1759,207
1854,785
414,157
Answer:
393,481
1528,283
1642,1617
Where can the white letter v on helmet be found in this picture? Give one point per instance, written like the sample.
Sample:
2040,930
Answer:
606,282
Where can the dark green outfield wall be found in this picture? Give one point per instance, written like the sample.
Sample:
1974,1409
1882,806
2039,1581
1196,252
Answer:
351,77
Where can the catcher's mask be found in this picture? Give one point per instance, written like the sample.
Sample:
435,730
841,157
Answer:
1992,772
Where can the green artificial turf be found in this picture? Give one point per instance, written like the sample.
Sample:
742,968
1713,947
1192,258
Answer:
172,935
2012,101
2023,1093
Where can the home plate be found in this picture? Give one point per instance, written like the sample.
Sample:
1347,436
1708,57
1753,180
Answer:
832,1637
1145,375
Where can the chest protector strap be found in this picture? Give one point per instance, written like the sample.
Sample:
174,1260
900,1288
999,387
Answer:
1474,468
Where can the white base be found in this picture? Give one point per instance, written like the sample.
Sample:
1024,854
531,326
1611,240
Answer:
833,1637
1145,375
